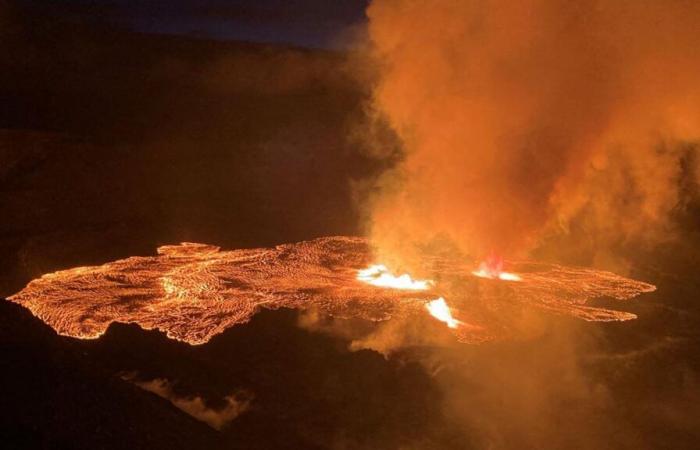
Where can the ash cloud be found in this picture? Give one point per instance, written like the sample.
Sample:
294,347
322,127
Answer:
522,123
195,406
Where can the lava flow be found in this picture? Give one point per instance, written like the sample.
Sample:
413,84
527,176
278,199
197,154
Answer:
195,291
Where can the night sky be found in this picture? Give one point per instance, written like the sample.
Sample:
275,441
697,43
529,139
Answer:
308,23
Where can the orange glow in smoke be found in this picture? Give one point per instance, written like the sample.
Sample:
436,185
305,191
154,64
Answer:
379,275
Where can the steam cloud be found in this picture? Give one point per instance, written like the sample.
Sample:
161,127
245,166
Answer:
195,406
522,120
525,125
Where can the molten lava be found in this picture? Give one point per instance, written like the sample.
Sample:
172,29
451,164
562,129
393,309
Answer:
438,308
379,275
195,291
492,269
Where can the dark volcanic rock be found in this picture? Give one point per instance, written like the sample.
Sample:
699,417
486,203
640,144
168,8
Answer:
55,397
306,389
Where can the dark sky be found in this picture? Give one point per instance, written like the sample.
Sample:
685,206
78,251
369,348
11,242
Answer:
311,23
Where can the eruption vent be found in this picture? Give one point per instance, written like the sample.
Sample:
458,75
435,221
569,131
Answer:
195,291
492,268
379,275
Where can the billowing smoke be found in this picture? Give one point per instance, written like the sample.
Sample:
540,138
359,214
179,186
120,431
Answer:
195,406
522,120
544,128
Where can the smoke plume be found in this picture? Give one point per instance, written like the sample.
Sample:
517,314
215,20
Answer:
195,406
522,120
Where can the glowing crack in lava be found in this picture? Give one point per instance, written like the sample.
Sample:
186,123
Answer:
195,291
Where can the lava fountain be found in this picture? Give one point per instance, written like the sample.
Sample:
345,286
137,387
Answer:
492,269
438,308
379,275
193,292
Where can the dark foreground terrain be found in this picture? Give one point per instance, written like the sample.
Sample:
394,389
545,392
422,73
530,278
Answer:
307,390
630,385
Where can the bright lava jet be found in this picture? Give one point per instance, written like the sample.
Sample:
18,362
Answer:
492,269
438,308
379,275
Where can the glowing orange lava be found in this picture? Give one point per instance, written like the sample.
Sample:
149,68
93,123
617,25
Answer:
492,269
192,292
379,275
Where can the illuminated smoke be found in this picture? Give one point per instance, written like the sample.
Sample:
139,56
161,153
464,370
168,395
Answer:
519,119
195,406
